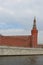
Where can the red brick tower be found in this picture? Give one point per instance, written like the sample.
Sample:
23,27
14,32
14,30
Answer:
34,33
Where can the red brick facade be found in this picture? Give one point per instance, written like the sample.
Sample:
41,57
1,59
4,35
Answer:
21,41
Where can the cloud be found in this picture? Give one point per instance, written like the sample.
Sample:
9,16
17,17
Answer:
5,10
40,37
13,1
13,32
21,11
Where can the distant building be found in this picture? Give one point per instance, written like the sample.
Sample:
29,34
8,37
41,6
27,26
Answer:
21,41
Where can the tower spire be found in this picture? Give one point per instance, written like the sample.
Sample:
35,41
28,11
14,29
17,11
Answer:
34,23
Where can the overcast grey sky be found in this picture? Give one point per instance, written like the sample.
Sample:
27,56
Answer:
16,17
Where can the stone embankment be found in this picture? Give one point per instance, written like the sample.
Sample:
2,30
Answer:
6,50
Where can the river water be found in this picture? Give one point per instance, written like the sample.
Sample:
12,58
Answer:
21,60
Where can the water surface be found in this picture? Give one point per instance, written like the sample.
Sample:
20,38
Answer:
21,60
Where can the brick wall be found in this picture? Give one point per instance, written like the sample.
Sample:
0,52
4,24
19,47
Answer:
20,41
